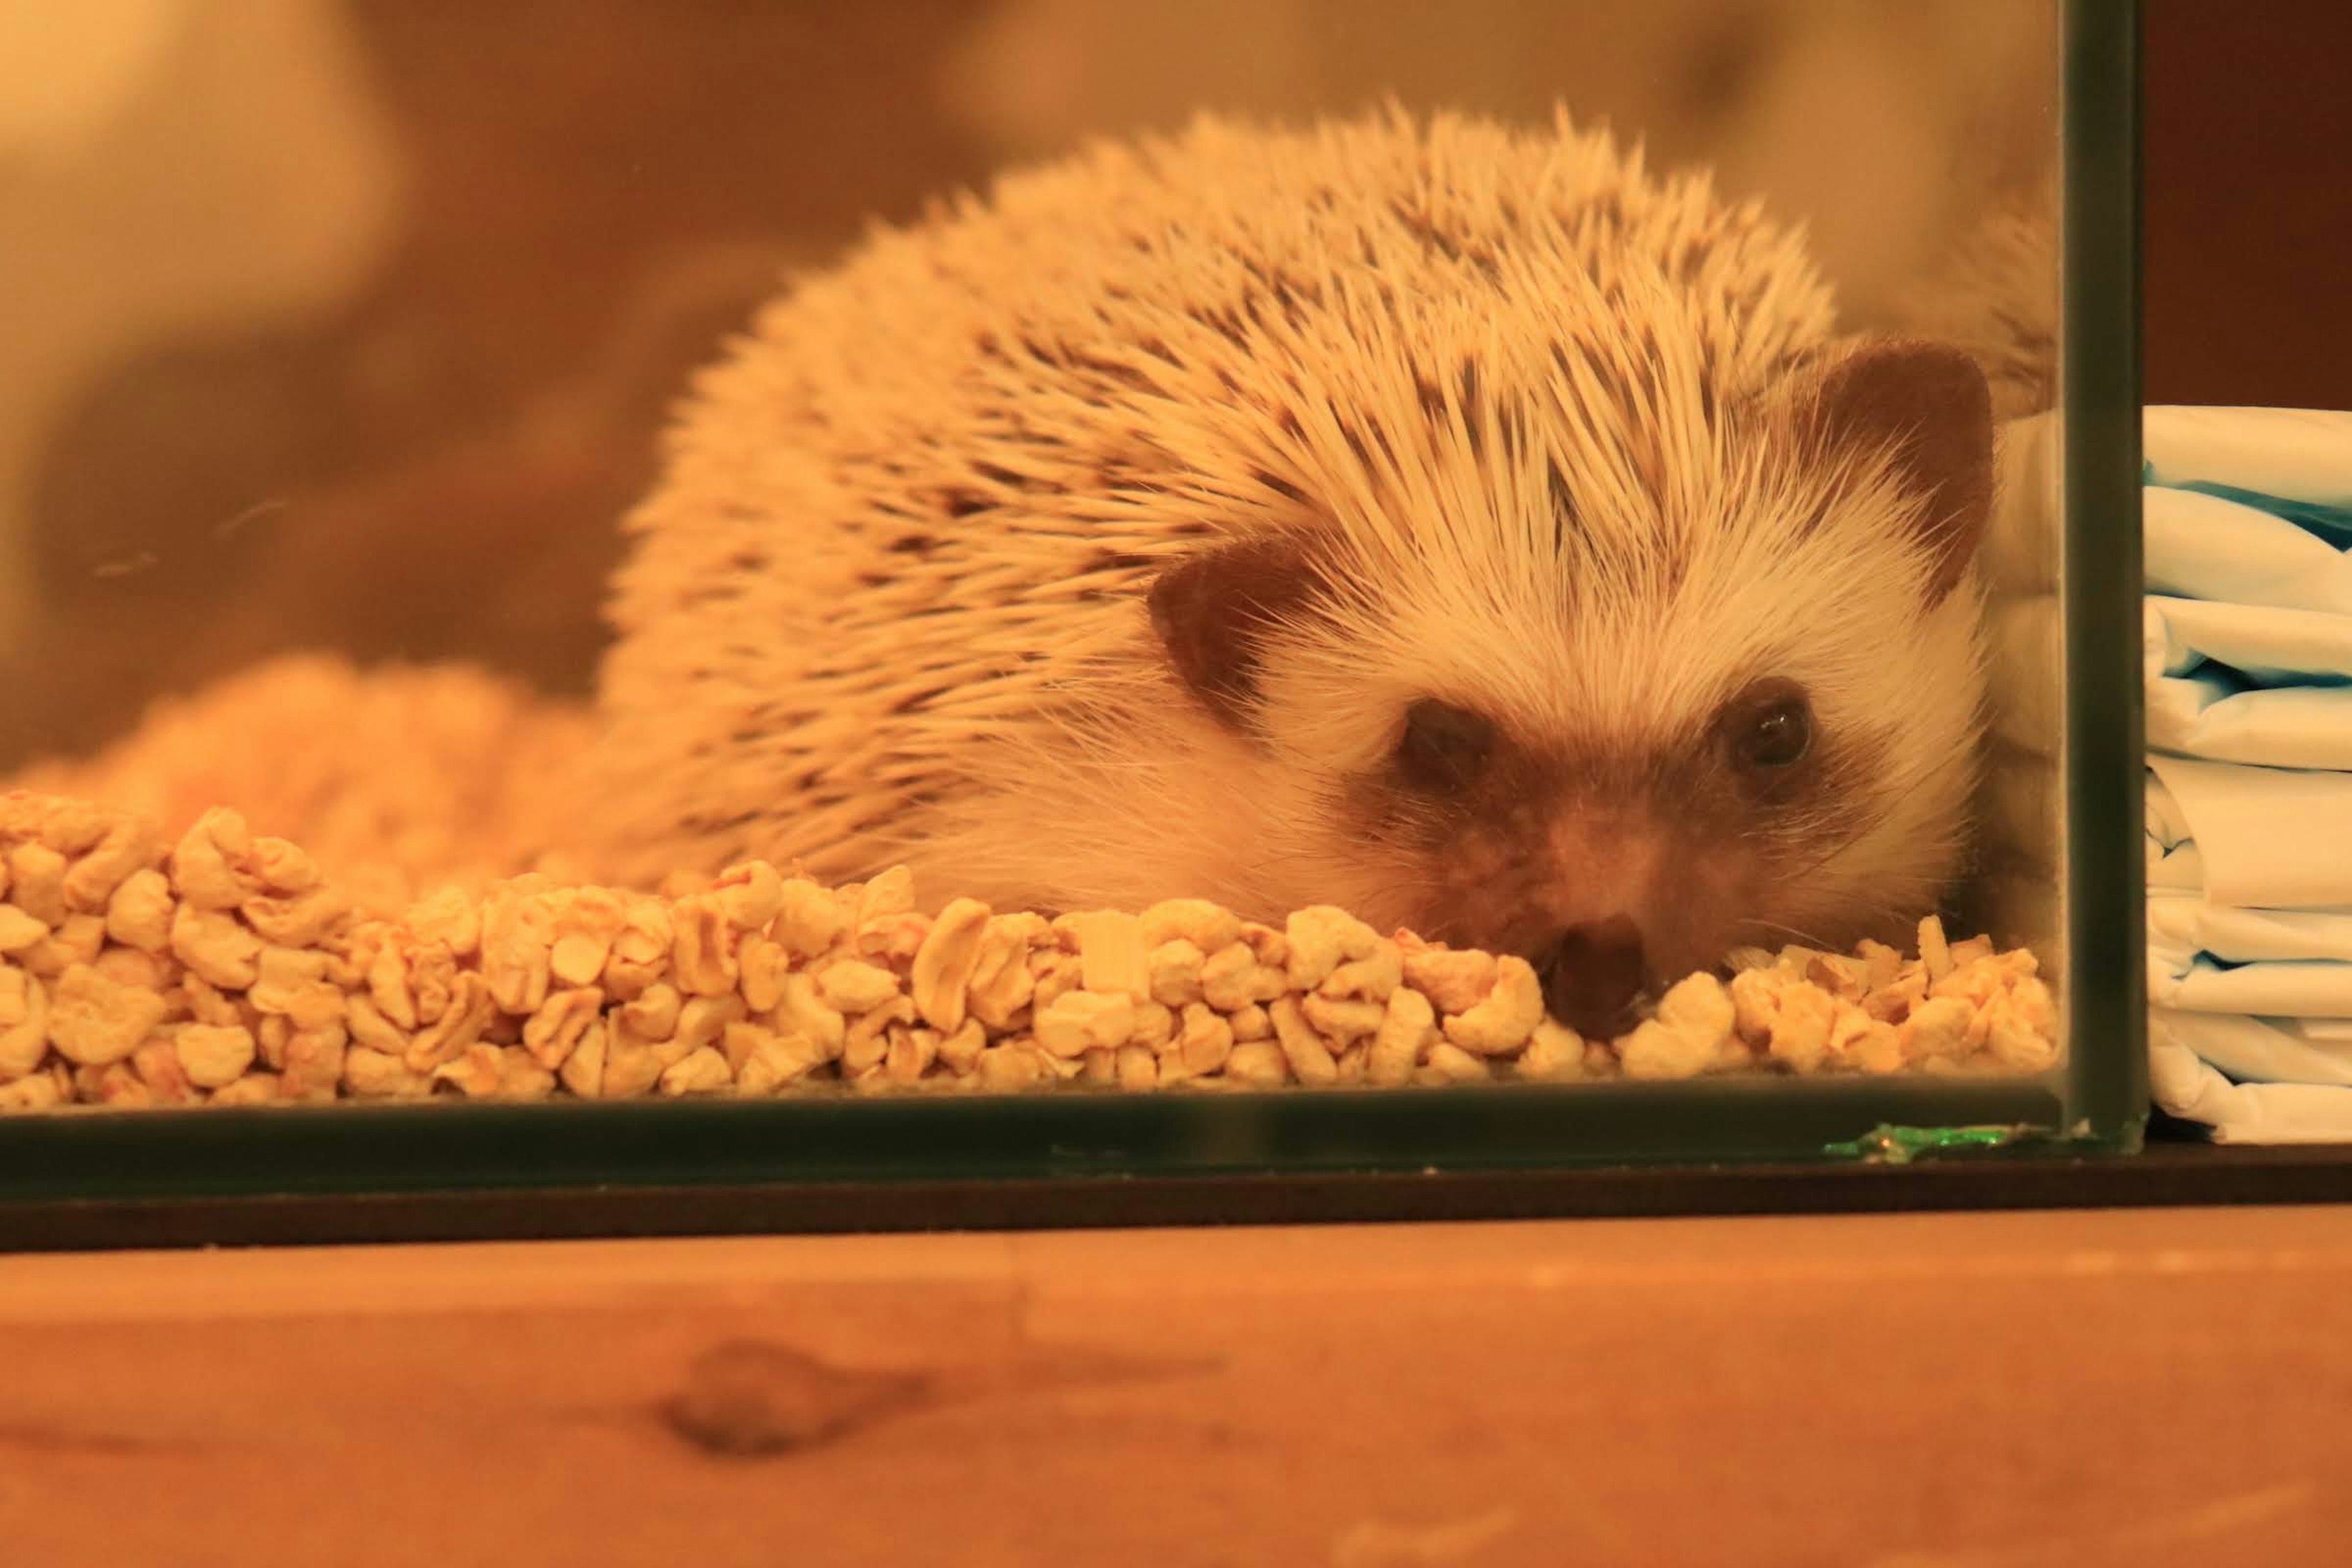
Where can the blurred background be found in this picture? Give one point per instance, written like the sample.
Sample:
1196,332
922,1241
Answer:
352,322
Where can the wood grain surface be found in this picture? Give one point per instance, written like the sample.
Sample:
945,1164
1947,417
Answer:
1967,1390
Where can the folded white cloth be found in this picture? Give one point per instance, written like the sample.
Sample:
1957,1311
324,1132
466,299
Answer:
2298,454
2247,641
2187,925
2250,505
2260,1050
2247,626
2243,683
2273,839
2193,1090
2200,546
2259,994
2271,989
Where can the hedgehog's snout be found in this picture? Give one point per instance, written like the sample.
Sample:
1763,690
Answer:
1593,975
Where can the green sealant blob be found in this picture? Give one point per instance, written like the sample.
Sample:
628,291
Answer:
1886,1145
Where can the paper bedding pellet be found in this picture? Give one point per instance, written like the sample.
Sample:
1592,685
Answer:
226,968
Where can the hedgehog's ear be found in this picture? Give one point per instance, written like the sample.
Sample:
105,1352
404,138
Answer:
1927,406
1214,612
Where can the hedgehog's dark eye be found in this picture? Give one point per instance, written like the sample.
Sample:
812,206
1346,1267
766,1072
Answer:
1767,727
1443,746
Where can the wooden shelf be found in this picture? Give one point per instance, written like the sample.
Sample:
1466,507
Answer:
1946,1390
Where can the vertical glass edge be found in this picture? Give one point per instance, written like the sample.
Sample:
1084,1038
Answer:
2102,582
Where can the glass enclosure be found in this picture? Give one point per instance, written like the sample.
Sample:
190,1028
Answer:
1518,584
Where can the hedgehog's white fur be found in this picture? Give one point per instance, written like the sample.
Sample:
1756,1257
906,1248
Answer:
1097,372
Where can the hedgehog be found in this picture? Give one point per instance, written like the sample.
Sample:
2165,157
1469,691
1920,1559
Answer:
1455,523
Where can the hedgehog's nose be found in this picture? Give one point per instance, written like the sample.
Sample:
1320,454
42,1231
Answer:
1592,975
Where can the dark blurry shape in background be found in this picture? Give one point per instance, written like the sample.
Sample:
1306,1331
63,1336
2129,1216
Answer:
433,466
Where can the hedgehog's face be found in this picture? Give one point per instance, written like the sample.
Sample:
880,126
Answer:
1619,859
1623,765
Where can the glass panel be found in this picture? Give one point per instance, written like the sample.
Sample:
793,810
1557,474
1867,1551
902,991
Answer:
1552,576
